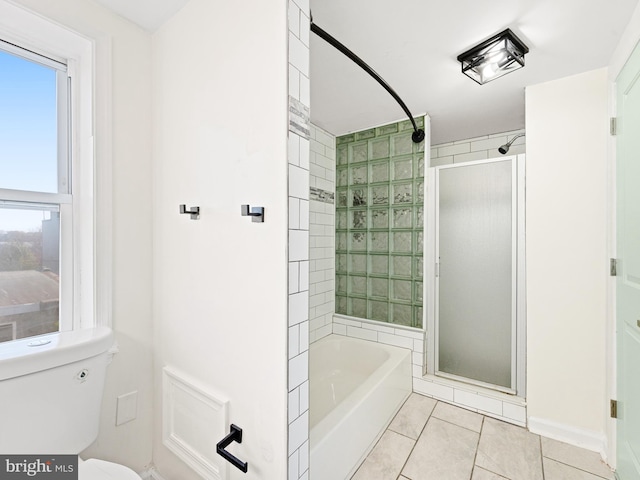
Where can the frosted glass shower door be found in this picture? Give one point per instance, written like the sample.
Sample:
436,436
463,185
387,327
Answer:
476,272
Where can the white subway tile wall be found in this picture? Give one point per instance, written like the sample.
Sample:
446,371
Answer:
322,233
479,148
299,241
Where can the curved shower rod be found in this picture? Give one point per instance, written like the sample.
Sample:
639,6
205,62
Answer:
418,134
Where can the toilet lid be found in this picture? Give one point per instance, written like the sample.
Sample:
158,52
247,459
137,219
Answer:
94,469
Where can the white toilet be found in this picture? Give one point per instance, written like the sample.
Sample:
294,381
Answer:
51,390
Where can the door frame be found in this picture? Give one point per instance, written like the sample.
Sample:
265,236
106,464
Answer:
519,336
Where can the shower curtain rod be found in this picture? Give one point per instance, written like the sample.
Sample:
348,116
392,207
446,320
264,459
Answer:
418,134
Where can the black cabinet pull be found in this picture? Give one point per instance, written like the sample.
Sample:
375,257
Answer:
235,435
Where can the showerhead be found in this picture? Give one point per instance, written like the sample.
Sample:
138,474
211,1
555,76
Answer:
505,148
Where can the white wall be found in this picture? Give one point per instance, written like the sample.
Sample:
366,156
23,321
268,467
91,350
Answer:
127,116
566,208
220,283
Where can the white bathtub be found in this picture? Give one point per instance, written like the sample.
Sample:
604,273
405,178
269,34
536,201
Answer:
356,387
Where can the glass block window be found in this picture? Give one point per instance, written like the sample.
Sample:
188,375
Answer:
379,224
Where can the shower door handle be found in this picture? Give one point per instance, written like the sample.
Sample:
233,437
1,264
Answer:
235,435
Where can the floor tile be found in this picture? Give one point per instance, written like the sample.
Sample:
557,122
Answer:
559,471
386,459
482,474
510,451
458,416
576,457
413,415
443,452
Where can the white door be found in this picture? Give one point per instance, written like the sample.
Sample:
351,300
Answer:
628,281
476,333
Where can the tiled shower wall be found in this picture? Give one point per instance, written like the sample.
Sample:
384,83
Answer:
298,164
321,233
478,148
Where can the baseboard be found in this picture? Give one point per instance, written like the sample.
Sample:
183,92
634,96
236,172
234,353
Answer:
587,439
151,474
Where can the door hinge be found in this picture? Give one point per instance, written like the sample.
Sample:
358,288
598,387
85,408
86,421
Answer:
613,126
613,267
614,408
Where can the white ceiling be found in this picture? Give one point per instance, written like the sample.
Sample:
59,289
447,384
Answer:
149,14
413,45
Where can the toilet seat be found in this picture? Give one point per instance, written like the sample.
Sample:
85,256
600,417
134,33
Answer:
94,469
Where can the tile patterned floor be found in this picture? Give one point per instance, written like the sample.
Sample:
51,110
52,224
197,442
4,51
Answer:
432,440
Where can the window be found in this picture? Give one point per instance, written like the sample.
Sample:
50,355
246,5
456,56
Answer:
36,203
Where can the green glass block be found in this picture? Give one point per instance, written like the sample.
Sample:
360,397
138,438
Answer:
380,148
341,262
341,198
379,241
379,218
379,287
379,172
401,314
341,241
419,216
401,290
402,193
420,166
406,125
379,264
358,175
366,134
420,191
402,217
379,310
342,155
417,317
342,179
358,263
358,219
358,307
401,266
357,197
403,168
402,144
419,241
401,242
341,219
341,305
359,153
341,284
380,195
418,292
357,285
345,139
418,271
387,129
358,241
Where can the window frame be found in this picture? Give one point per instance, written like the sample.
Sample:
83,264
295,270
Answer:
86,233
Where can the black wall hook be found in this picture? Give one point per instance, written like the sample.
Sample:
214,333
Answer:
193,211
256,212
235,435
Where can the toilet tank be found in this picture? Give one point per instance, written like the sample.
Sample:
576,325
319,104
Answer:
51,393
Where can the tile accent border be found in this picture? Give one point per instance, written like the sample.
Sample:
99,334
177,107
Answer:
298,118
320,195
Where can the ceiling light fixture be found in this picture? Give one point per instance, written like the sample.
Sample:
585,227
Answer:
493,58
